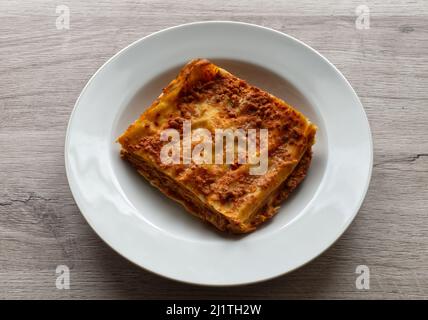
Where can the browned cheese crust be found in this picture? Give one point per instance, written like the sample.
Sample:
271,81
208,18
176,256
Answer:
227,196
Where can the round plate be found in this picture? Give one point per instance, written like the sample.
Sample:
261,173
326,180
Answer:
154,232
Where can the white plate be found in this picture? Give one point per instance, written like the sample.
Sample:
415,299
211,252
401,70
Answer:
154,232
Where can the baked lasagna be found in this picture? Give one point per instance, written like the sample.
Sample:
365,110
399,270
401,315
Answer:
224,193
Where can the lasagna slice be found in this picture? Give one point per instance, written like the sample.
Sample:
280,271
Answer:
226,195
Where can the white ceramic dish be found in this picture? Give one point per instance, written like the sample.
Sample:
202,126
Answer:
154,232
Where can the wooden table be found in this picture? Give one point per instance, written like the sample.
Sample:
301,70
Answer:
43,69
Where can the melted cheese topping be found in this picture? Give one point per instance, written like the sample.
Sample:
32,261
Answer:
212,98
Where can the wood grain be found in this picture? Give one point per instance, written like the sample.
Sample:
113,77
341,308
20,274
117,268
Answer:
43,70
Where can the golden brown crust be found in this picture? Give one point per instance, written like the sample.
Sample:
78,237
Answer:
212,98
222,223
288,186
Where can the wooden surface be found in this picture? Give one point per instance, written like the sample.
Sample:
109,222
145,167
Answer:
44,69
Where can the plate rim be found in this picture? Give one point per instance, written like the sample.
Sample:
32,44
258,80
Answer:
239,283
